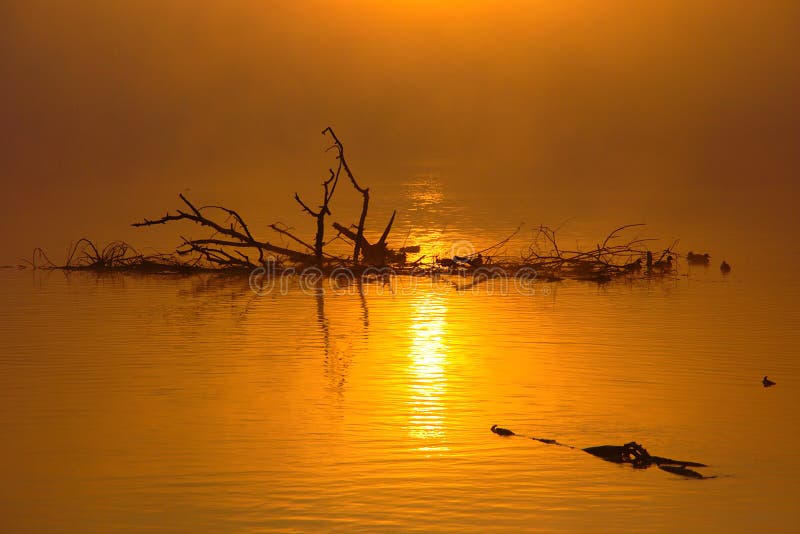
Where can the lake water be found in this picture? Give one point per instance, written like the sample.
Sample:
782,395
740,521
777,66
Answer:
189,404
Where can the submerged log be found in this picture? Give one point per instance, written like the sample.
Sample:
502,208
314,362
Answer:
630,453
634,454
682,471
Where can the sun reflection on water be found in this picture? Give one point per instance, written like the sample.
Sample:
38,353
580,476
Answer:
427,214
427,371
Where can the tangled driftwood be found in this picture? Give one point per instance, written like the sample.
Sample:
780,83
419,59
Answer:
233,246
630,453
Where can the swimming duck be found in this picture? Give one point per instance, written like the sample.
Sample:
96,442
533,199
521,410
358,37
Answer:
502,431
634,266
767,382
665,266
725,267
698,259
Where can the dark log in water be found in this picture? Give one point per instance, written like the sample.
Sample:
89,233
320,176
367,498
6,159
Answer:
682,471
634,454
631,453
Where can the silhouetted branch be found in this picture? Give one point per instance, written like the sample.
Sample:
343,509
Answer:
363,190
603,261
305,208
385,234
329,186
238,232
286,232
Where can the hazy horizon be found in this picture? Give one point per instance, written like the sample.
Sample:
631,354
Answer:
677,114
138,397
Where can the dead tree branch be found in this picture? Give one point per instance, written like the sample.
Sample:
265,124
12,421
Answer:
285,231
329,186
357,246
238,232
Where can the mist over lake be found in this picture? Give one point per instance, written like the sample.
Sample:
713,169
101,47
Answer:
193,399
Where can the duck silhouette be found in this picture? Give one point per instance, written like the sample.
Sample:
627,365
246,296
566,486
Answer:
725,267
767,382
698,259
664,265
502,431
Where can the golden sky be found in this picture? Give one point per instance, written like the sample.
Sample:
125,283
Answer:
109,109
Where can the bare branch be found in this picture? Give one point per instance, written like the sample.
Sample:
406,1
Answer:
363,190
238,238
285,232
305,208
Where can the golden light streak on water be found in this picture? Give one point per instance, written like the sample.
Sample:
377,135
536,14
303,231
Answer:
427,371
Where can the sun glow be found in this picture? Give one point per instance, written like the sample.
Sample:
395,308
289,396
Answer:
427,370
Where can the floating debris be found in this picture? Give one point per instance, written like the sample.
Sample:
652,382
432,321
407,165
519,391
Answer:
682,471
630,453
634,454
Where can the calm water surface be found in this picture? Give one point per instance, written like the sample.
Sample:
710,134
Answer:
188,404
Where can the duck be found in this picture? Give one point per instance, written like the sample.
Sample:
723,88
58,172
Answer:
665,266
634,266
767,382
502,431
445,262
698,259
725,267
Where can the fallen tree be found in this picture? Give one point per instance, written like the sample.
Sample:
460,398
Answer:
232,245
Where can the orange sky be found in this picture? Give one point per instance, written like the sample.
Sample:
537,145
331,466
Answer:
109,109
